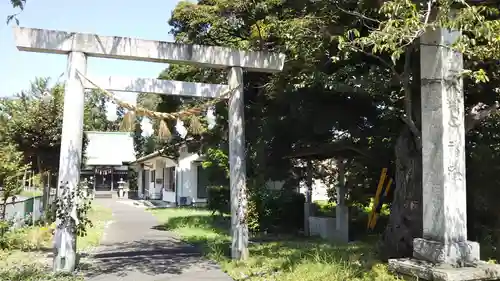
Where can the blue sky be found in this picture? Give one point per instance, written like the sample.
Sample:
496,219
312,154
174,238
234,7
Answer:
131,18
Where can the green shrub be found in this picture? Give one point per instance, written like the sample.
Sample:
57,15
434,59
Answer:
323,209
23,266
26,238
275,210
267,210
291,211
5,226
358,217
218,200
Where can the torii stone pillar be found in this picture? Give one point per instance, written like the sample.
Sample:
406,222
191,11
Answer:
237,165
71,154
443,252
443,153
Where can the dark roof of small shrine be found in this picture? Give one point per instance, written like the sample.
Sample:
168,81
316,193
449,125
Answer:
328,150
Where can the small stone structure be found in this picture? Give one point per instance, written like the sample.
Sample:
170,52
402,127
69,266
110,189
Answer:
323,227
326,228
443,253
333,229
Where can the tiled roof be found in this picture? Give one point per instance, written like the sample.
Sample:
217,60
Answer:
109,148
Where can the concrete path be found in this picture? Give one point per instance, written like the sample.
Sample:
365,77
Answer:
132,250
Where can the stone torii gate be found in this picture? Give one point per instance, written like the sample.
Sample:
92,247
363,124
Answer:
79,46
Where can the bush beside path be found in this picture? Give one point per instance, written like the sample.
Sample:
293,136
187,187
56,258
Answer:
27,253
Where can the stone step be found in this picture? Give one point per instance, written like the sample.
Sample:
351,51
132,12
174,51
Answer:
103,194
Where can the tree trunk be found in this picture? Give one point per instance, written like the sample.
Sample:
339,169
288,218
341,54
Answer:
405,221
471,216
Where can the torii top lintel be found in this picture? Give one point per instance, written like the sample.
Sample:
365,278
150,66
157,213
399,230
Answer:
62,42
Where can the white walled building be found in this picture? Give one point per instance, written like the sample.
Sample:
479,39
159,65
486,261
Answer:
181,181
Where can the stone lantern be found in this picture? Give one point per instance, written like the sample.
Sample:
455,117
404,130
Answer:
121,187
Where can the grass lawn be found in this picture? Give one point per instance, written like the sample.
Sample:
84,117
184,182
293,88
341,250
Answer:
99,216
28,260
33,193
284,259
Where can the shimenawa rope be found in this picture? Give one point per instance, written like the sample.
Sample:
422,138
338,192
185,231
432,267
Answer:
163,130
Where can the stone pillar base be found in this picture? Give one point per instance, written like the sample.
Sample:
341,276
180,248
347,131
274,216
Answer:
428,271
460,253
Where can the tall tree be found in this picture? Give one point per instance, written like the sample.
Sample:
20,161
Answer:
11,166
33,121
95,118
351,78
392,37
145,144
323,101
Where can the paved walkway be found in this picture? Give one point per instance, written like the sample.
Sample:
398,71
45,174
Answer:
132,250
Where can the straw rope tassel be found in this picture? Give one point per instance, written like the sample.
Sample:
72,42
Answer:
163,131
128,121
195,126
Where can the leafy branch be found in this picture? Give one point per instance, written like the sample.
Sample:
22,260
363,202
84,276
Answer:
72,207
19,4
405,21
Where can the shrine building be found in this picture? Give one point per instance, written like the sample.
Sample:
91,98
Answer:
107,157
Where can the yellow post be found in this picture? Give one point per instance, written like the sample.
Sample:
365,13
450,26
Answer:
376,215
377,194
388,187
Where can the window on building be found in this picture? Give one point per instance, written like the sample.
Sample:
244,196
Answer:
152,178
143,183
203,182
170,177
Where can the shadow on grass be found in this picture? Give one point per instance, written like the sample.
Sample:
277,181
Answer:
217,224
213,247
276,255
35,273
351,261
29,266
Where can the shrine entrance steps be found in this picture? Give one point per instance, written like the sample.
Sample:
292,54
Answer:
104,194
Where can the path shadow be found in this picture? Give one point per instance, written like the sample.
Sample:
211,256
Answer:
203,244
218,224
150,257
